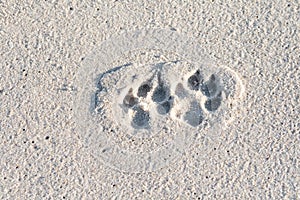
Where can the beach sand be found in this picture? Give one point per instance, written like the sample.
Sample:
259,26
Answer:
149,100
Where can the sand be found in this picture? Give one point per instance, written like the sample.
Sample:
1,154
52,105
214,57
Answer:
149,100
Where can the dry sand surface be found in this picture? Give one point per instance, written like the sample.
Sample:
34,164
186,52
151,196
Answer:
149,99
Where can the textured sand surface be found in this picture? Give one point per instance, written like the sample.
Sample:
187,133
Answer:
45,45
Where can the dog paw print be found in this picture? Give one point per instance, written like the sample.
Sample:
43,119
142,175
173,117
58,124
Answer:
145,96
143,115
156,94
210,89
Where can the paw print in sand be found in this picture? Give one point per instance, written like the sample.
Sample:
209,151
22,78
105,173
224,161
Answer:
164,96
144,115
196,89
137,104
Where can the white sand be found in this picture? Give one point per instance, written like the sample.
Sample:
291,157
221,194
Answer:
234,137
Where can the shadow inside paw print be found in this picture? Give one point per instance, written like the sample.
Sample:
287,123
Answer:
195,81
141,118
212,104
180,91
194,116
161,96
160,93
165,107
210,87
129,101
143,90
